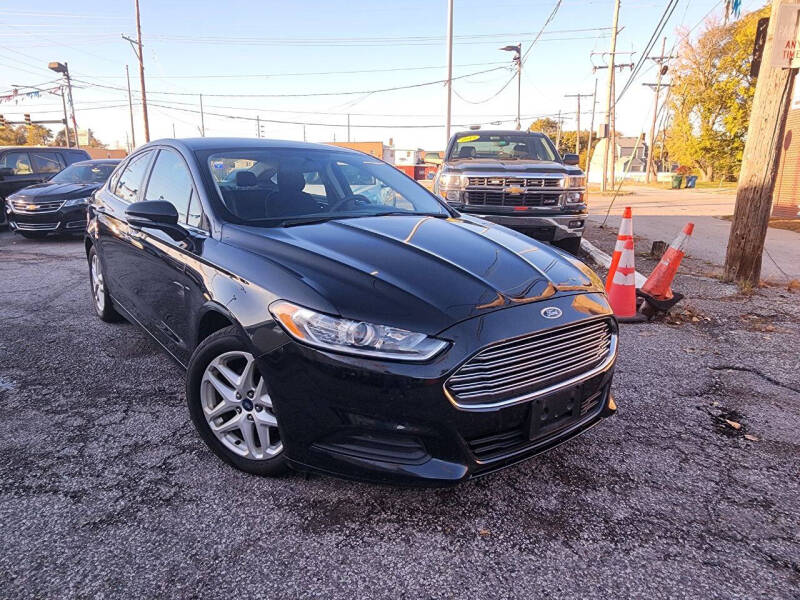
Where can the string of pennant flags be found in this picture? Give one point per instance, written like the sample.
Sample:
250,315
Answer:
16,96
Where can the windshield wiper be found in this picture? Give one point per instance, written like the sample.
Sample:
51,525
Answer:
313,220
306,221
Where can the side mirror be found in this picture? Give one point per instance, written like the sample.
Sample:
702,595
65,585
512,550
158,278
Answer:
6,172
571,159
152,213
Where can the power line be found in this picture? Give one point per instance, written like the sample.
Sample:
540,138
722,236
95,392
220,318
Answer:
302,95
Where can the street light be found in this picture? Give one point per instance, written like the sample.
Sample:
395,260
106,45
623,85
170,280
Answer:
63,68
517,50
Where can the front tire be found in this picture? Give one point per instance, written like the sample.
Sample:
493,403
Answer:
230,405
571,245
101,300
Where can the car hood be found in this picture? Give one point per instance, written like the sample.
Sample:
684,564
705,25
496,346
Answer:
510,166
420,273
56,191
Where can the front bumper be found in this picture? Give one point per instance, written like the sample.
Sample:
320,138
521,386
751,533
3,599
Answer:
546,227
69,220
393,422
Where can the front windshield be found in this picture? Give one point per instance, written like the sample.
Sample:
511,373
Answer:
276,186
84,174
506,146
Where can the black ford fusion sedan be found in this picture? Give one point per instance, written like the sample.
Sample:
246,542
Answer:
59,204
333,315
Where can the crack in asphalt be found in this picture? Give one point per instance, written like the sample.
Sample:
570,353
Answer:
757,372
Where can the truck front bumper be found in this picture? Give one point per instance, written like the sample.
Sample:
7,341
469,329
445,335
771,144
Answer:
548,228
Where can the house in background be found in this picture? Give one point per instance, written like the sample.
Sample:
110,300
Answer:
631,158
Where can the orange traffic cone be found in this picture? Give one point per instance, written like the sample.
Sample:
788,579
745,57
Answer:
622,291
657,286
625,234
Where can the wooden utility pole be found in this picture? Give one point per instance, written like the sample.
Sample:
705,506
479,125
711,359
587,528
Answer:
449,69
591,134
578,118
651,165
610,98
759,165
202,118
141,73
130,107
558,133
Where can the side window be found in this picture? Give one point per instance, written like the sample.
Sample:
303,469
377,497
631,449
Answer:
47,162
195,215
130,181
171,181
18,162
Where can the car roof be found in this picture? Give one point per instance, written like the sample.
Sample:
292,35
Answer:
223,143
497,132
25,148
99,161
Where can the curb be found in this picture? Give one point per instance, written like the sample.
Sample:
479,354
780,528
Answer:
604,259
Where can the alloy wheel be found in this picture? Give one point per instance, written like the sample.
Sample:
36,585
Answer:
98,286
238,407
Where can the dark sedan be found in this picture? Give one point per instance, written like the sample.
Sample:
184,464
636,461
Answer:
333,315
58,206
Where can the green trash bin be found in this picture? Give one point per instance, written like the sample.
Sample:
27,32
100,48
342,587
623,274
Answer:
676,182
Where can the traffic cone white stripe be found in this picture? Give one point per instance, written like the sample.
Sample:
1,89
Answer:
621,278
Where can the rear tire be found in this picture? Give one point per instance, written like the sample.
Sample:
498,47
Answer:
230,405
571,245
101,300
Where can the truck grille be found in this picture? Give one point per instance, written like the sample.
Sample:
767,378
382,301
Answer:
544,359
30,206
500,182
501,198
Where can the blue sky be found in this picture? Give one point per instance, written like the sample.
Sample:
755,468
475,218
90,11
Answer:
228,49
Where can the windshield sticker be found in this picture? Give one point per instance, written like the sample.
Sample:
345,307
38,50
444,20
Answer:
468,138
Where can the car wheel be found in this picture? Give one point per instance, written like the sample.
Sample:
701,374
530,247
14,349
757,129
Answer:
33,235
100,298
231,407
571,245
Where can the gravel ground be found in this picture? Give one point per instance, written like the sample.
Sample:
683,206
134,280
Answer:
106,491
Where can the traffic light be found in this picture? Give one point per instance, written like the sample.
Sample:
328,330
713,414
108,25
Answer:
27,119
2,121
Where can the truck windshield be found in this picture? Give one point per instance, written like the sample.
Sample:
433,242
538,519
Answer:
511,146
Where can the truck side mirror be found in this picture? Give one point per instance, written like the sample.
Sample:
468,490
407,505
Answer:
571,159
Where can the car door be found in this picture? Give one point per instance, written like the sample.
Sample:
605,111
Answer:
117,248
164,288
16,172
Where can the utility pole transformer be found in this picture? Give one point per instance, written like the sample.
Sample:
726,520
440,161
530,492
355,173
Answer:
610,99
759,165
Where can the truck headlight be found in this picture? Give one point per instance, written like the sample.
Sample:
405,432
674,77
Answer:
574,181
452,180
354,337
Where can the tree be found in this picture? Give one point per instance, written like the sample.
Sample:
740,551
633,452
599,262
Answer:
36,135
711,96
567,142
12,136
61,139
546,126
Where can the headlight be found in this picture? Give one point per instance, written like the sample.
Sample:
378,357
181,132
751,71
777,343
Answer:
449,180
77,201
574,181
354,337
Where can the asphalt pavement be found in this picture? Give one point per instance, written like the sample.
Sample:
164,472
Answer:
107,492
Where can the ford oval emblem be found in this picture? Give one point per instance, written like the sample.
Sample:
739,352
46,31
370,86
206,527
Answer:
551,312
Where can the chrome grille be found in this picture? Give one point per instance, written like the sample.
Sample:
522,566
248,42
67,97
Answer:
30,206
37,226
499,182
509,371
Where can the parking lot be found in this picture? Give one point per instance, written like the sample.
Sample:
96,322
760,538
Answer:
106,490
